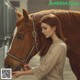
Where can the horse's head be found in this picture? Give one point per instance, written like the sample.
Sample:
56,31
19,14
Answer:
25,43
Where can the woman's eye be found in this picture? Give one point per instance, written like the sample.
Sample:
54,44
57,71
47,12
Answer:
45,28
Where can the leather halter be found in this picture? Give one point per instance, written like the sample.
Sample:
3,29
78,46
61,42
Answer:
35,44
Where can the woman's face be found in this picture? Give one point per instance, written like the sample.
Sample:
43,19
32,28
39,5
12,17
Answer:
47,30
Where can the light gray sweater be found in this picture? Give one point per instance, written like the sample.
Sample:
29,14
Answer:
52,64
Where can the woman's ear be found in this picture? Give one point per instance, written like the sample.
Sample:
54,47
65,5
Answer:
54,28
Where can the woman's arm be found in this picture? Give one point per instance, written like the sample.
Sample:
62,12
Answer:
50,62
20,73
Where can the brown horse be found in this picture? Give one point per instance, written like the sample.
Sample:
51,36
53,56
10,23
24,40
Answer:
28,39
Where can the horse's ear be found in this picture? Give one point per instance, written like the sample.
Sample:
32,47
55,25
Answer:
18,14
25,14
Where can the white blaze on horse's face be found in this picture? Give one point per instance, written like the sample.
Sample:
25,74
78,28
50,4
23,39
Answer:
47,30
15,31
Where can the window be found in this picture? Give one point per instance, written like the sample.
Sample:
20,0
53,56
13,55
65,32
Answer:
15,3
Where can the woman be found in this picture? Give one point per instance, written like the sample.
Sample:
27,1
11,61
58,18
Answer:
52,63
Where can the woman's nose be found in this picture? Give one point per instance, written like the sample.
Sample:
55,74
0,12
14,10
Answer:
42,31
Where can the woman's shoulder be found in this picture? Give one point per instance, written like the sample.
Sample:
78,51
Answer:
60,43
62,46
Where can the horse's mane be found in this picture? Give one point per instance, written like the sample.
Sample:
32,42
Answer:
67,18
62,13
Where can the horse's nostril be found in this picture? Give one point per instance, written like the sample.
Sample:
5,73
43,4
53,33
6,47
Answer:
18,68
7,66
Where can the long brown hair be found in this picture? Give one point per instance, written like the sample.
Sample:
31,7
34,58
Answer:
51,20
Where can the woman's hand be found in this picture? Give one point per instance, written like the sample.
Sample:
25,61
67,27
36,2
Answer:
26,67
17,74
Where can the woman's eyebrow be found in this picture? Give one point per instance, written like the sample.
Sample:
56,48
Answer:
43,26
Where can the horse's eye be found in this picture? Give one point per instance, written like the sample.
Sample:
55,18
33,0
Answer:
19,36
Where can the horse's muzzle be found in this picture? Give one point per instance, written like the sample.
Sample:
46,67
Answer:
18,68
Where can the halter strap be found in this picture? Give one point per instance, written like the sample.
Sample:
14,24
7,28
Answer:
35,35
15,57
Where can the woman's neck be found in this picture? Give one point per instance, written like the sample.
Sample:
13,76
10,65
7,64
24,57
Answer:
55,38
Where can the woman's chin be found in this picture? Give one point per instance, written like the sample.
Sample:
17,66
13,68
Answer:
47,36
